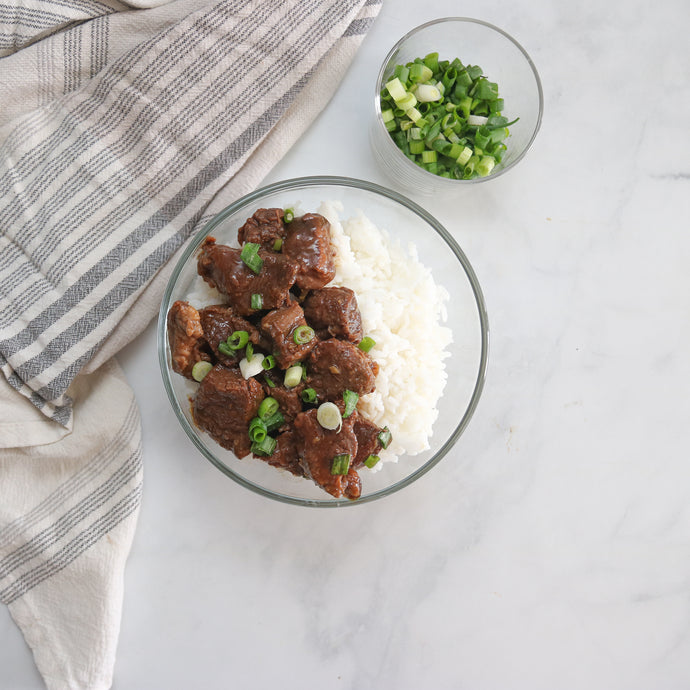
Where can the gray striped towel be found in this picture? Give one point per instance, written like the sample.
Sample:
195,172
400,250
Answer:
124,127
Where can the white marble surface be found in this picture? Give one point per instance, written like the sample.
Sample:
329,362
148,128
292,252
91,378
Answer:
551,548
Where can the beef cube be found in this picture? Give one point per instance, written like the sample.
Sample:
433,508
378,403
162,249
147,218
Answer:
336,365
280,326
186,338
308,243
317,447
333,313
367,434
285,454
224,404
221,321
222,268
264,228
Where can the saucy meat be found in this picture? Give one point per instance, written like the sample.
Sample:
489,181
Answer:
283,326
283,312
224,404
333,312
308,243
222,267
264,228
186,338
317,447
337,365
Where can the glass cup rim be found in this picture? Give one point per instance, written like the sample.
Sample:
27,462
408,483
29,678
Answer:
443,181
315,181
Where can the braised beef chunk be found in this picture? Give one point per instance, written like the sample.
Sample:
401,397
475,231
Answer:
283,326
264,228
317,447
222,267
186,338
333,313
220,321
285,454
308,243
336,365
224,404
367,434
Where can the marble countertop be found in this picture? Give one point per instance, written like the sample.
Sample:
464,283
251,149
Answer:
551,547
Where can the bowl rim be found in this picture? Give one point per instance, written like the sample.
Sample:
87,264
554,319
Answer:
316,181
447,182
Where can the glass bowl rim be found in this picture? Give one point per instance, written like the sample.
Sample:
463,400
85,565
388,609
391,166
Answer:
316,181
449,183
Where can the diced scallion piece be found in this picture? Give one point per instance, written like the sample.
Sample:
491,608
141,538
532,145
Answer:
328,416
257,430
293,375
308,395
237,340
274,422
278,244
341,463
251,367
250,256
200,369
385,437
350,398
302,334
288,215
371,460
268,362
267,407
256,301
366,343
265,447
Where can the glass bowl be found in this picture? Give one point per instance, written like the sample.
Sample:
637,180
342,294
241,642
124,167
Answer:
503,61
465,367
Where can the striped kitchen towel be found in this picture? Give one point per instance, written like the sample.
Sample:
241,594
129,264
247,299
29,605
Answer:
123,128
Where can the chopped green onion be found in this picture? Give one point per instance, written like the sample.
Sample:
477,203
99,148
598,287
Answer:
200,369
366,343
250,256
268,362
251,366
249,353
278,244
257,301
274,422
385,437
341,463
328,416
237,340
396,89
293,375
257,430
267,407
288,215
225,349
309,395
303,334
350,398
371,460
265,447
269,382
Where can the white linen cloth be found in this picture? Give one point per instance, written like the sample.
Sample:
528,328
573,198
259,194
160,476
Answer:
123,128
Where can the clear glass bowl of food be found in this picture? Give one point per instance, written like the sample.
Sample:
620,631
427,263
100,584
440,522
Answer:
503,62
418,300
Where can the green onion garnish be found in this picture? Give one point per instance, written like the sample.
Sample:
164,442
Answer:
269,382
303,334
445,117
269,362
328,416
385,437
225,349
288,215
257,430
274,422
268,406
264,447
278,244
341,463
249,352
200,369
250,256
309,395
366,343
237,340
257,301
293,375
350,399
371,460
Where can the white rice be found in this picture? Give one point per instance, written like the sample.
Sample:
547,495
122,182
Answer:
403,310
